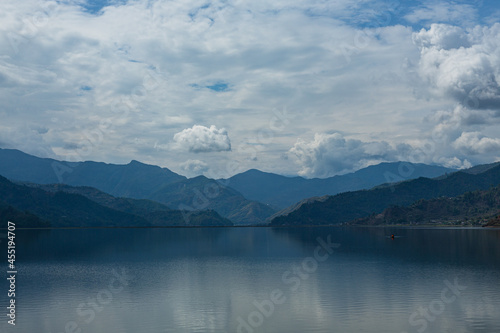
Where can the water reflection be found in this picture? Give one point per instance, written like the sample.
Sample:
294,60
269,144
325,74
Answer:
212,280
447,245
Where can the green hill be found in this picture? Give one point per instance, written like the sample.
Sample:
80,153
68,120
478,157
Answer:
154,212
22,219
471,208
348,206
37,207
494,222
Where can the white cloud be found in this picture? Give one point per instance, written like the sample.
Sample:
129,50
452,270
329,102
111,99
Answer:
473,143
442,36
194,167
201,139
463,65
331,154
454,163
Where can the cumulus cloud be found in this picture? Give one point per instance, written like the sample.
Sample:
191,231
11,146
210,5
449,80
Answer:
473,143
194,167
331,154
201,139
442,36
462,64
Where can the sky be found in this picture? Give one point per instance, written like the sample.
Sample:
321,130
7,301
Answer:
313,88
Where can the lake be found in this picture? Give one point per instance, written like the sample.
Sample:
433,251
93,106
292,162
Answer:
330,279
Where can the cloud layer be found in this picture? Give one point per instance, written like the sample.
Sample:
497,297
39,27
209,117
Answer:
388,78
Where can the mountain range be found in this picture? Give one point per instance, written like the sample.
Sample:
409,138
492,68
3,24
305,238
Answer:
138,181
349,206
248,198
42,192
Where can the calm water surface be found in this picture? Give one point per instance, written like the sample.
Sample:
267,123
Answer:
257,280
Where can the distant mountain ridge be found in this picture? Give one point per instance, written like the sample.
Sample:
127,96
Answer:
139,181
134,180
348,206
281,191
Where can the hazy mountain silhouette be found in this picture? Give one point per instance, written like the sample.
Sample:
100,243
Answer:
134,180
280,191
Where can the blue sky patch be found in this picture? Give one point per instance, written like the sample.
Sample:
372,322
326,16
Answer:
94,6
218,86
